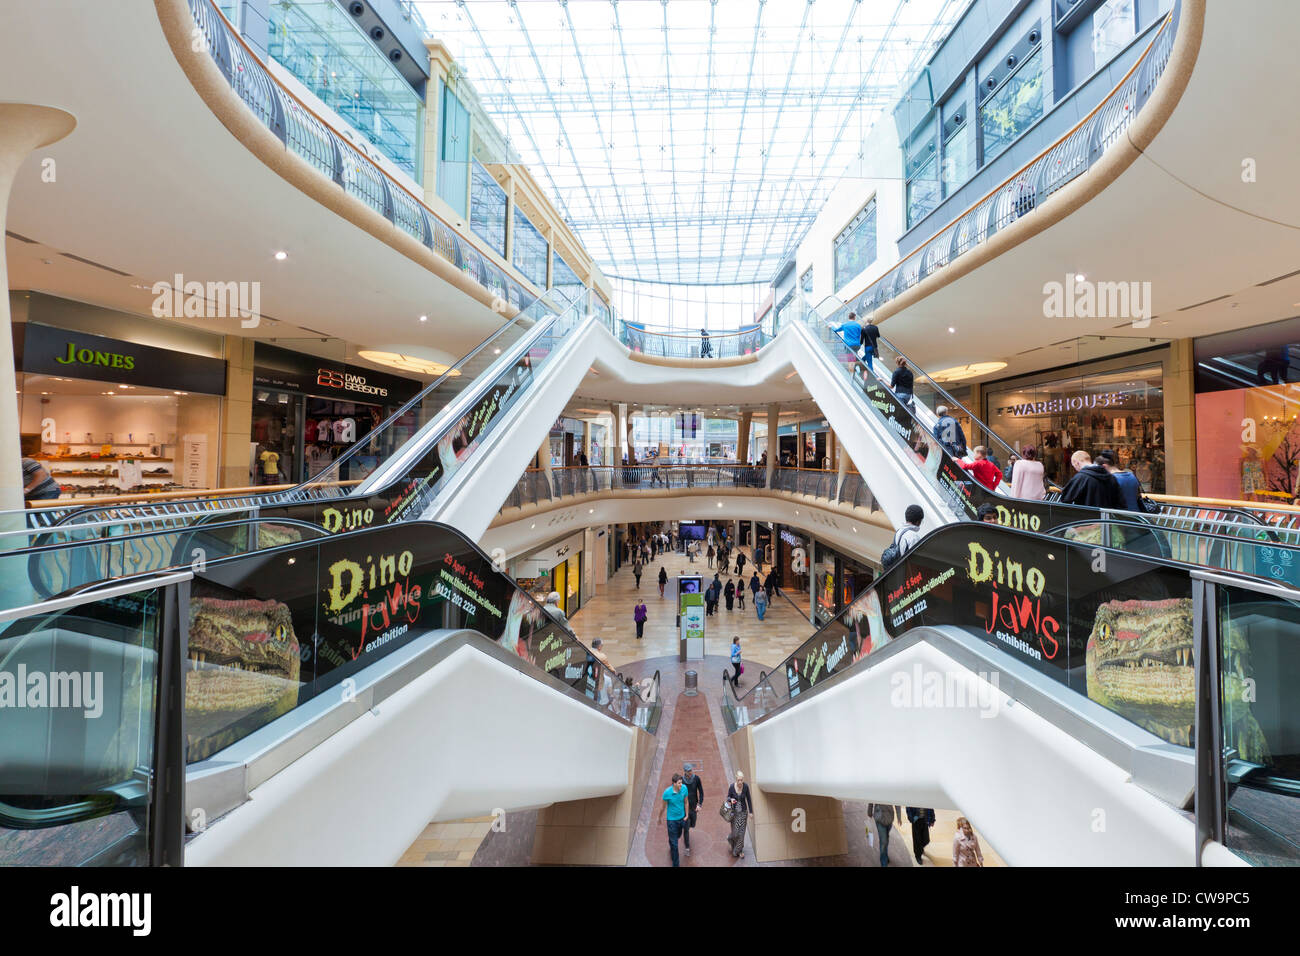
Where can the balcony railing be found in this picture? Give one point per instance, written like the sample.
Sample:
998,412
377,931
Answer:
312,139
704,344
533,487
1065,160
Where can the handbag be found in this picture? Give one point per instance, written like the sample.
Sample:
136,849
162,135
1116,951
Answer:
1148,506
726,811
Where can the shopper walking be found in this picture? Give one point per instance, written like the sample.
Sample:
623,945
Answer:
921,819
729,592
870,343
694,800
883,816
742,807
966,845
639,615
711,597
673,806
637,567
1027,475
709,554
735,661
740,595
663,580
740,561
769,584
760,602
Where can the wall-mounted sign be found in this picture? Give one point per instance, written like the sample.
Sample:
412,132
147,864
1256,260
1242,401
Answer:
312,375
46,350
1067,403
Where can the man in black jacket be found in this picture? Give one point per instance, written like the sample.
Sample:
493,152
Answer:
694,800
1092,485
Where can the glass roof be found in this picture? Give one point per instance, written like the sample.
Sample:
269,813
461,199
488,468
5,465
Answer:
688,141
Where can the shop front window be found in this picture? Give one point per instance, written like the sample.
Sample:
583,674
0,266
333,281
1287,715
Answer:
1247,408
1122,411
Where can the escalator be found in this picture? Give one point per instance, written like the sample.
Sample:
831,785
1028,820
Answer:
466,436
1081,704
508,360
368,682
905,462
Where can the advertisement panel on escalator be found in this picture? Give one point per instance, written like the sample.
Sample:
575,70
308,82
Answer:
272,630
1112,626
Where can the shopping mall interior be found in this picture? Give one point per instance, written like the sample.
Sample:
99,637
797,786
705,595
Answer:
696,433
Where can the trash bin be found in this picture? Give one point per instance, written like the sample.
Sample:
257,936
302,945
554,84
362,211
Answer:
692,684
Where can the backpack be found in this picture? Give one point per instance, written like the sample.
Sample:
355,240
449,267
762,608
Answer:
892,553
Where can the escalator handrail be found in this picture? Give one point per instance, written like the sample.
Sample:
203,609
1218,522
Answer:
1247,582
301,490
1000,493
917,370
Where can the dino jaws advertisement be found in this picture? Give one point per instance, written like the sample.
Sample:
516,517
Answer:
389,597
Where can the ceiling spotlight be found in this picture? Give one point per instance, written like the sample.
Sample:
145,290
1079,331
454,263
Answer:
1079,277
424,318
951,330
281,256
496,351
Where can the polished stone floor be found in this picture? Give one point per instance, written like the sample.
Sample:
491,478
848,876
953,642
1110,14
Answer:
691,728
608,616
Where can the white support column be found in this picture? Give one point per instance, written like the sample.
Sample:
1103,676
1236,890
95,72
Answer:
23,128
773,443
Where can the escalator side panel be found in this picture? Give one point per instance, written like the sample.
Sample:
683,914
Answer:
444,747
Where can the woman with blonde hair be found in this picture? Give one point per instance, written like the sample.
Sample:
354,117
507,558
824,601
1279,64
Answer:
966,845
738,799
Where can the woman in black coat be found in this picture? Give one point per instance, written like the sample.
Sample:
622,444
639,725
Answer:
729,592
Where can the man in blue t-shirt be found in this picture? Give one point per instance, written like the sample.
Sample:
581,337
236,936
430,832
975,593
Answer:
1129,486
674,804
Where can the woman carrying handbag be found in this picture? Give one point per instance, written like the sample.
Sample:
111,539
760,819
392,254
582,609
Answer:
741,806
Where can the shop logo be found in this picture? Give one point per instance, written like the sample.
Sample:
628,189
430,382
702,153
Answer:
1069,403
76,356
1078,298
212,300
333,378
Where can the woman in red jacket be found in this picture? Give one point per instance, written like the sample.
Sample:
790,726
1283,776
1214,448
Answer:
985,472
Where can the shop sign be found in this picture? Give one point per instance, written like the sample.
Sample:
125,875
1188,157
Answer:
49,351
311,375
1068,403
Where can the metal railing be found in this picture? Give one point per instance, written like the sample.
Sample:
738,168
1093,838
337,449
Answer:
705,344
1022,193
533,487
333,154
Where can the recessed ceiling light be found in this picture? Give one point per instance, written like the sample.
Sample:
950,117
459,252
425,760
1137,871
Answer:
496,351
424,318
281,256
591,511
1079,277
407,363
719,504
951,330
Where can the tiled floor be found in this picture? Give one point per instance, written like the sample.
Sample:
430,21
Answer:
447,844
608,616
691,729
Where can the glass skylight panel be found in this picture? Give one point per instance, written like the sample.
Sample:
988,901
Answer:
688,142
